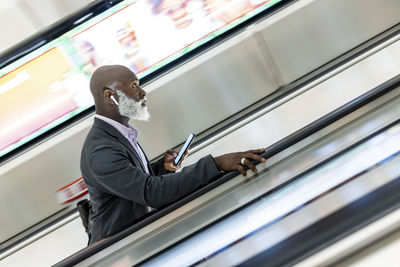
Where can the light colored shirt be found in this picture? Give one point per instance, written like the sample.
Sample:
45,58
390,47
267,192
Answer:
129,133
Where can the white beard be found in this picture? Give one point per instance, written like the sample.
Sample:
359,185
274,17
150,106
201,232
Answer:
131,108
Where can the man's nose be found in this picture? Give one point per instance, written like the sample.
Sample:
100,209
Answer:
142,93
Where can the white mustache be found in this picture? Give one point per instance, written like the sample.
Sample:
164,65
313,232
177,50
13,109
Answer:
143,100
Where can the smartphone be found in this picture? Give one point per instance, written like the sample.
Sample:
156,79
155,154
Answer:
185,147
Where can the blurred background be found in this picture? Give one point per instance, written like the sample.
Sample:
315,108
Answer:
24,18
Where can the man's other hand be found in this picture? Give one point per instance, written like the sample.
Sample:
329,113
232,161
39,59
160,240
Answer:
237,161
169,158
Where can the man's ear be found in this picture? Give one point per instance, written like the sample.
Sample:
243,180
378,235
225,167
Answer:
108,93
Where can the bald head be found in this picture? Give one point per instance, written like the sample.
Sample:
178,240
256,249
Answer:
111,82
107,77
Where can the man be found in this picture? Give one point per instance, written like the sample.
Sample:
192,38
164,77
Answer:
122,185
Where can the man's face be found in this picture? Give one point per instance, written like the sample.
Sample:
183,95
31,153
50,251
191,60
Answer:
132,98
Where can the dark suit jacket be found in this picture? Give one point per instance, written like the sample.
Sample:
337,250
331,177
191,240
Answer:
119,188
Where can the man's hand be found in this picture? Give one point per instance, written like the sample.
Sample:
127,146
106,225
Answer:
237,161
169,158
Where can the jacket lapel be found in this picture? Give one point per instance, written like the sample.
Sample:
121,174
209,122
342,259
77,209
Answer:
114,132
147,161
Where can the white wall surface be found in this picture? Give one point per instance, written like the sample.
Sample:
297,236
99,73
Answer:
26,17
51,248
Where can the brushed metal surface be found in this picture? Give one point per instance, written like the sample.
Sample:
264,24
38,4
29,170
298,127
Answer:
304,106
375,115
243,191
310,214
373,245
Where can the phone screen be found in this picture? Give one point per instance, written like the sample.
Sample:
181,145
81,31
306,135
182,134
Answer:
184,148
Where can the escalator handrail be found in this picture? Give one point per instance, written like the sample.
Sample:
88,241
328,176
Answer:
270,151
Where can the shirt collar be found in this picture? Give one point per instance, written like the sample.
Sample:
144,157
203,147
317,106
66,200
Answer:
128,132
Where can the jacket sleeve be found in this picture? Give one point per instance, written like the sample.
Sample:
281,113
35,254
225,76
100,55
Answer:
115,174
158,167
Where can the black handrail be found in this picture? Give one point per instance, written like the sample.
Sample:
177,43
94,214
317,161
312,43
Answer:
275,189
269,152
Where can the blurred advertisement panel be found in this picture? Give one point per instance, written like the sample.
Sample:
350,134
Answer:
51,84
